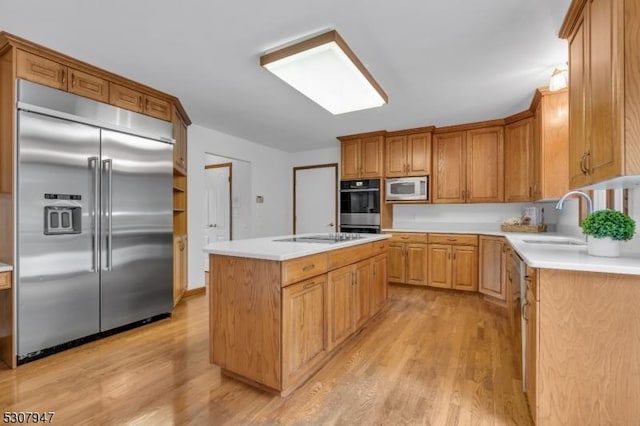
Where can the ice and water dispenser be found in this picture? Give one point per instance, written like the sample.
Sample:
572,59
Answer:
63,217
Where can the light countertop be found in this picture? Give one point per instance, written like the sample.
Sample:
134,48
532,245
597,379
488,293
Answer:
537,255
269,249
5,268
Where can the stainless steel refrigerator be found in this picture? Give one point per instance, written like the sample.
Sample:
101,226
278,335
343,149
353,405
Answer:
94,218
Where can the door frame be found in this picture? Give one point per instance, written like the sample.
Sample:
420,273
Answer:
230,166
316,166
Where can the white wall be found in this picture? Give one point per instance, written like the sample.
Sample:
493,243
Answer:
270,178
477,216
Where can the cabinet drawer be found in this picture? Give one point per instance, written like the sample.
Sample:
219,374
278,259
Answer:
158,108
41,70
408,237
349,255
88,85
459,239
380,247
305,267
5,280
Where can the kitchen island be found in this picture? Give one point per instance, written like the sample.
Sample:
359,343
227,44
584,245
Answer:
280,307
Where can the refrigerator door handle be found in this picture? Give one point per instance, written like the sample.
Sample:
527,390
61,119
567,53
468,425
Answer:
95,237
107,165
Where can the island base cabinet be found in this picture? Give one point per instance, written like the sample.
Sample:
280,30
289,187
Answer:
587,326
303,330
273,323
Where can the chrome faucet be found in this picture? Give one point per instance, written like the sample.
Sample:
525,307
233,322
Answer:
560,203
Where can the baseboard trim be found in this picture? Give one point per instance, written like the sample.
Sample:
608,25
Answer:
194,292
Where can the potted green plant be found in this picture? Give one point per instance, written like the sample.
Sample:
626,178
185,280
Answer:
606,228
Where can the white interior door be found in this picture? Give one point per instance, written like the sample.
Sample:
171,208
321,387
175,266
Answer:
217,225
315,195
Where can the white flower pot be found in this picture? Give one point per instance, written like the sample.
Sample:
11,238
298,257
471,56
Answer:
604,247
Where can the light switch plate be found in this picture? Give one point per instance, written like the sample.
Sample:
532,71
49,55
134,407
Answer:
259,199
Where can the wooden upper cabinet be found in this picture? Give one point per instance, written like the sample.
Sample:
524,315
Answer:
156,107
134,100
41,70
124,97
180,144
468,166
604,90
396,156
449,177
485,172
361,157
408,155
518,161
550,144
88,85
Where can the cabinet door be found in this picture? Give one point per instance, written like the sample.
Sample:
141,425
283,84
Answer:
350,159
439,265
371,157
531,357
156,107
449,172
606,55
485,165
361,290
518,161
126,98
378,290
492,268
180,145
464,270
396,155
303,327
578,145
416,256
418,154
40,70
179,267
88,85
340,304
554,145
397,262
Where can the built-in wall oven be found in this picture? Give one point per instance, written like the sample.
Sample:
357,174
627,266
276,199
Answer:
360,206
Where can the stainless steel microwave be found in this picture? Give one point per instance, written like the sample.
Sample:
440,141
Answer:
407,189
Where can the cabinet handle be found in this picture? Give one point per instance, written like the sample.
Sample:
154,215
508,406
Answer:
309,285
525,313
449,255
140,102
308,267
587,162
63,74
530,192
451,239
454,255
583,161
404,238
73,80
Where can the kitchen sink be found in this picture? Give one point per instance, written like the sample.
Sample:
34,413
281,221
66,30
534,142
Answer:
557,242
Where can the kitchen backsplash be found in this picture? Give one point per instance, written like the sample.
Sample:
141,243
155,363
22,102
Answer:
484,216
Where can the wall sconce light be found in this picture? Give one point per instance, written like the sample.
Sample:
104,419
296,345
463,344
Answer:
325,69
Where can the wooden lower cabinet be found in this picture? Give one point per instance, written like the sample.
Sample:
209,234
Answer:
293,327
179,267
408,259
303,331
452,266
531,310
378,289
493,267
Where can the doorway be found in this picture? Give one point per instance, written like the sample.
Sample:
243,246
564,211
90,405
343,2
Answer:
218,196
315,198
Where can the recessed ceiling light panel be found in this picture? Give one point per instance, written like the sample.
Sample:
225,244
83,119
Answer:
326,70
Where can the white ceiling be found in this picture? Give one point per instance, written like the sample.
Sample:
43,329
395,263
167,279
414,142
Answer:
441,62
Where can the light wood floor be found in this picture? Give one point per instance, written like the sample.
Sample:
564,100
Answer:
430,357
